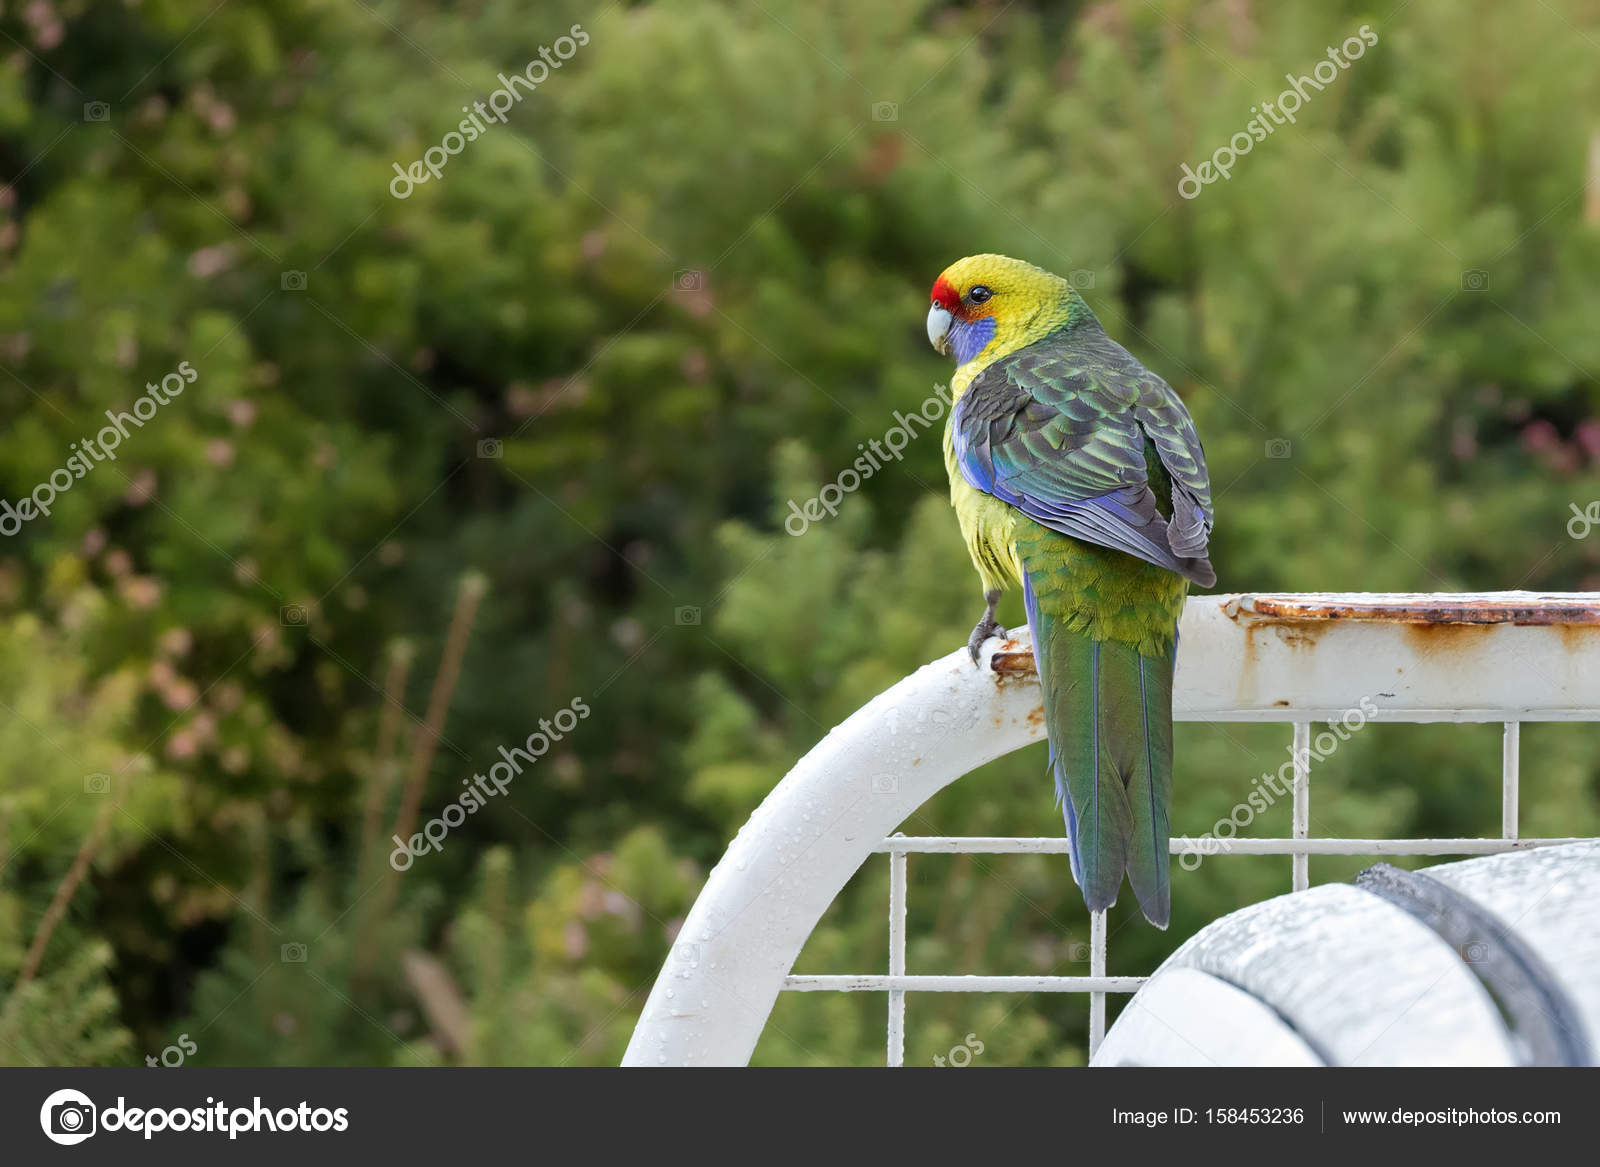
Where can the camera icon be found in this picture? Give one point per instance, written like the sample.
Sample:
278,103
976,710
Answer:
97,784
292,953
1081,280
1278,447
1475,280
293,616
491,448
96,111
686,954
886,111
884,784
1077,951
68,1117
689,280
72,1118
1475,952
687,616
293,281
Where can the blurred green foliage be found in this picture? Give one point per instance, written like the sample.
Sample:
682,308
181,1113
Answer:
592,361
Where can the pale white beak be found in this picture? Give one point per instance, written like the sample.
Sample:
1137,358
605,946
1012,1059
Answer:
939,320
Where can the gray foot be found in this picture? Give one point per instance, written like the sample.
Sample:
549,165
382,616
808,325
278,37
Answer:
986,627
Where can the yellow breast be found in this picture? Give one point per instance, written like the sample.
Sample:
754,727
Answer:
987,524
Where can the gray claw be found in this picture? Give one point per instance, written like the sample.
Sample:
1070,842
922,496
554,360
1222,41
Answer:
986,627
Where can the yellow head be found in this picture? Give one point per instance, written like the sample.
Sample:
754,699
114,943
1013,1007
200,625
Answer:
986,306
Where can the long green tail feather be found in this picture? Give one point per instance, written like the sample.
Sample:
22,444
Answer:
1108,712
1150,794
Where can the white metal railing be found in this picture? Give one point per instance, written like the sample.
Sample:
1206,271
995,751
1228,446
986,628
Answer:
1498,657
1097,984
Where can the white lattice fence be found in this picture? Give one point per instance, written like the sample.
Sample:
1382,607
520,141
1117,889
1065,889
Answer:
1507,657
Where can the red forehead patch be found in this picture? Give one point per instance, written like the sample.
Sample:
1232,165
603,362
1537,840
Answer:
945,296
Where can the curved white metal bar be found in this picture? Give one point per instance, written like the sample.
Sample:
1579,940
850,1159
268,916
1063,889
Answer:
1362,982
1187,1017
808,838
1508,657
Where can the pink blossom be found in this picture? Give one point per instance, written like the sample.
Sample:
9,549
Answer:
1587,436
176,642
140,591
142,489
1540,435
180,694
210,261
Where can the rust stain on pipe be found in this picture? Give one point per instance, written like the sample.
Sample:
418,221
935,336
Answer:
1434,623
1421,610
1010,662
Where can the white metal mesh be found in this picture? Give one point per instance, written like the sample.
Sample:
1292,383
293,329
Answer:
1300,847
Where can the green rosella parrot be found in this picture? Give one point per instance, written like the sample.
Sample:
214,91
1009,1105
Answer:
1077,474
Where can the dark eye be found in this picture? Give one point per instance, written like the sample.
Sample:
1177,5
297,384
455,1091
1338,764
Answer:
979,294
